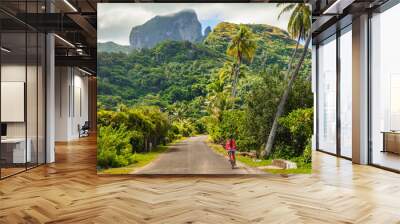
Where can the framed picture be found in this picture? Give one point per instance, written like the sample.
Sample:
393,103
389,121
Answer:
195,88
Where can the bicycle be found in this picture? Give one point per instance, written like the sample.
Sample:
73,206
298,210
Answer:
232,158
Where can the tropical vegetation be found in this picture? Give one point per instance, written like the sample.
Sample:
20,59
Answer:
238,83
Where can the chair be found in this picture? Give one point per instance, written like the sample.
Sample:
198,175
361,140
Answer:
84,130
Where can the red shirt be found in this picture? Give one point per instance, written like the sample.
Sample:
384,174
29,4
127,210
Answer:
230,145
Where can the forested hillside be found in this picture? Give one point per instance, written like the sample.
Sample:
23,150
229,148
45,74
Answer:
176,71
191,85
112,47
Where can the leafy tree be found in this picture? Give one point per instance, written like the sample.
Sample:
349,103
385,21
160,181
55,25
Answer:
299,122
113,147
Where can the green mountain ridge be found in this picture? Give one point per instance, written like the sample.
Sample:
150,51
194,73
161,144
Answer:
274,45
112,47
179,71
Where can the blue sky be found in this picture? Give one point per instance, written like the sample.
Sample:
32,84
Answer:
115,20
209,22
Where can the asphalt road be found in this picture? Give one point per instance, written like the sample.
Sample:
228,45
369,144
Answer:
193,156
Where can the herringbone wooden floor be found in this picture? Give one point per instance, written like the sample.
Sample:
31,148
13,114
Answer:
69,191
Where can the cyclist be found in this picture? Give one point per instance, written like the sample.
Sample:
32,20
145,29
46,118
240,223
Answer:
230,146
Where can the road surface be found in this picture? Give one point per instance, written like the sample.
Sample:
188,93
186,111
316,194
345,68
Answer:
193,156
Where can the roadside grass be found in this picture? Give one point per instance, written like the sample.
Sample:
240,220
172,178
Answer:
302,169
254,163
244,159
141,159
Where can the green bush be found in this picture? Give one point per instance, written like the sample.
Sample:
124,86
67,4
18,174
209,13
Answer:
173,133
137,141
289,153
200,126
184,128
307,154
284,151
227,126
299,122
214,130
113,146
246,143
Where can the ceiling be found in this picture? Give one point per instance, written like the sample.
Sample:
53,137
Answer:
332,15
75,22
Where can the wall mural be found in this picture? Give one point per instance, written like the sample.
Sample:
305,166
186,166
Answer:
204,88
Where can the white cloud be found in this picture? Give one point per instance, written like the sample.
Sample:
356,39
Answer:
115,20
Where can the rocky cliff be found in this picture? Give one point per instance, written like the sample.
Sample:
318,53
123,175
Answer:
183,25
207,31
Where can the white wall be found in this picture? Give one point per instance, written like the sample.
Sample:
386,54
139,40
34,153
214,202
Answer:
62,82
71,102
80,110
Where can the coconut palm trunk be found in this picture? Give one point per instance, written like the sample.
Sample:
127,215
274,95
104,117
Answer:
236,73
289,69
281,106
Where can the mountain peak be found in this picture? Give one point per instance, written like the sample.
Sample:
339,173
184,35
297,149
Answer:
179,26
187,11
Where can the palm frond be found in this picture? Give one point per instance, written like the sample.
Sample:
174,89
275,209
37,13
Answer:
300,21
286,9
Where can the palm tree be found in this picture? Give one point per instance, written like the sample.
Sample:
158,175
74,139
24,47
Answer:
299,25
218,97
242,46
